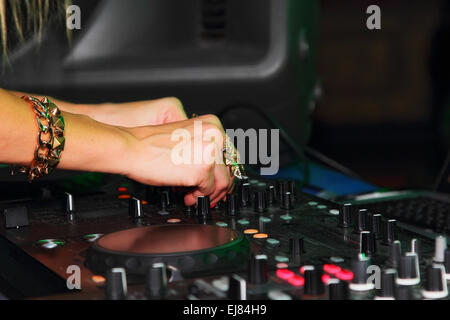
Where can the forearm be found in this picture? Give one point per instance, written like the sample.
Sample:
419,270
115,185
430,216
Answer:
90,145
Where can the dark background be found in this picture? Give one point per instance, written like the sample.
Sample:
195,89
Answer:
386,91
385,111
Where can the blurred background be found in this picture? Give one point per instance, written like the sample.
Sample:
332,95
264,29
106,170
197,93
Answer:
386,102
376,101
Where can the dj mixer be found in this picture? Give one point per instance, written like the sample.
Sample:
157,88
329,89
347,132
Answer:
268,240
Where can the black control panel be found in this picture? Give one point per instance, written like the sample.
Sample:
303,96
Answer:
268,240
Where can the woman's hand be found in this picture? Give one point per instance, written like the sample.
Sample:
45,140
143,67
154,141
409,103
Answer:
151,158
136,114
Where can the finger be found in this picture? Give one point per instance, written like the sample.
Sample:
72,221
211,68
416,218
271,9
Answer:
222,183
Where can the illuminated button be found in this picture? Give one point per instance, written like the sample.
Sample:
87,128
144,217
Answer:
50,243
265,219
122,189
144,202
344,275
334,211
222,284
175,220
321,206
302,269
325,278
285,274
312,203
336,259
92,237
273,241
98,279
222,224
286,217
331,268
281,259
282,265
296,281
250,231
261,236
124,196
243,222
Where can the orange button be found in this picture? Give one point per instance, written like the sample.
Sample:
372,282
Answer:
124,196
144,202
260,236
173,220
250,231
98,279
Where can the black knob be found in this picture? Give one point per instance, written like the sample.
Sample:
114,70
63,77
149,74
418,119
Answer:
69,203
116,284
337,289
360,268
389,231
237,288
258,270
135,208
203,205
345,216
313,281
282,188
232,204
164,200
436,283
387,290
156,281
260,202
367,243
376,225
447,261
287,201
297,249
403,293
271,195
245,194
394,253
360,223
408,269
291,187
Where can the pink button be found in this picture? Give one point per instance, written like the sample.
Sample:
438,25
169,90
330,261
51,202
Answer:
331,268
345,275
284,274
296,281
325,278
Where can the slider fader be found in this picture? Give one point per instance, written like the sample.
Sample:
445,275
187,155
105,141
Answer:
268,240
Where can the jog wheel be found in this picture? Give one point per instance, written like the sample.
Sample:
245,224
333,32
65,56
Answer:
192,249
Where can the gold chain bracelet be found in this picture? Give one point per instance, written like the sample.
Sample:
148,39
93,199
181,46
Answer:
51,138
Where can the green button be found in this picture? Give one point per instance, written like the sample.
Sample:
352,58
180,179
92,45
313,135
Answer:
286,217
222,224
243,222
312,203
334,211
281,259
321,207
265,219
273,241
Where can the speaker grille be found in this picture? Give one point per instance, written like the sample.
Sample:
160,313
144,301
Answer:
214,13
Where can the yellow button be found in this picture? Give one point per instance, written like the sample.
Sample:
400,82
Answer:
250,231
260,236
98,279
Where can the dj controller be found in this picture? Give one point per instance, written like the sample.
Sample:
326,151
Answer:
268,240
